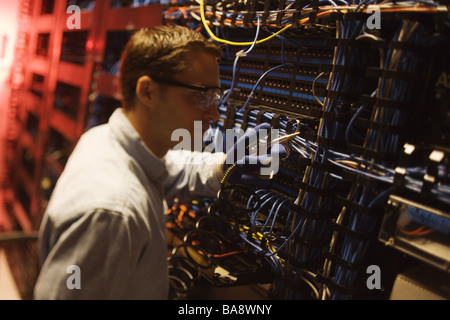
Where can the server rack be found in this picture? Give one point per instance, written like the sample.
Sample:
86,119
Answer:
16,81
62,77
333,212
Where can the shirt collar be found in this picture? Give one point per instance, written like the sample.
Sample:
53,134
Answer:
133,144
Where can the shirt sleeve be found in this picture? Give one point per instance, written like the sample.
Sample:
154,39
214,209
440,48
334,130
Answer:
193,174
90,258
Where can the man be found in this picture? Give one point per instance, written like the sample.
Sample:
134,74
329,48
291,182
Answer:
103,234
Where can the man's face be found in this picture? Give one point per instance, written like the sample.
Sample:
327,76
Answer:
183,106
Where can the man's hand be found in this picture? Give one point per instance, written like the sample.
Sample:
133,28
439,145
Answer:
249,161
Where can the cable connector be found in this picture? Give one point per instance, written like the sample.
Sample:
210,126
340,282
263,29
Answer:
241,53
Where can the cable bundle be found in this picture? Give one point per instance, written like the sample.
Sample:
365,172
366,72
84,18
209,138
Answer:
359,220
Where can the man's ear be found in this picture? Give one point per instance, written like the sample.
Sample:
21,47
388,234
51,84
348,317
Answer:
146,90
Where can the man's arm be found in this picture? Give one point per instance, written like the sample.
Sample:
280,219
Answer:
193,174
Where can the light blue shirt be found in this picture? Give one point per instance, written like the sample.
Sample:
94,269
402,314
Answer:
107,215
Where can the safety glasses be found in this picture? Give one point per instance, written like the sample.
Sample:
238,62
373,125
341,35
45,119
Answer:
209,96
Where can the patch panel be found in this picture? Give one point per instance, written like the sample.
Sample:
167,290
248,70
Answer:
308,71
295,66
301,107
271,98
248,80
303,87
277,83
244,91
252,66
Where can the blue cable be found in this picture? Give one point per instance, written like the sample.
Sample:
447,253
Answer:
244,53
257,84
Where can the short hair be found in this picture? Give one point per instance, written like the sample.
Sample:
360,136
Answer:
158,51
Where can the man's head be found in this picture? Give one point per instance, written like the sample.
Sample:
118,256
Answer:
170,79
159,52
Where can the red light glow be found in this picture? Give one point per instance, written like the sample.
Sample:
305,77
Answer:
9,11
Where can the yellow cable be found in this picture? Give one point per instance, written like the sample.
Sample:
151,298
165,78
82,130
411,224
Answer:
257,236
205,24
332,9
